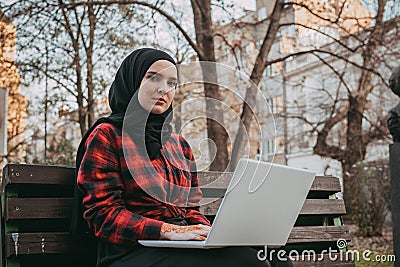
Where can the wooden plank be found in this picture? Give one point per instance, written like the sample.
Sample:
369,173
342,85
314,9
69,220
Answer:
37,174
38,208
214,179
311,234
44,174
58,208
43,243
211,179
213,192
35,208
323,260
61,242
209,206
326,184
323,207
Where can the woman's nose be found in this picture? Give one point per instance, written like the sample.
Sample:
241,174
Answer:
163,88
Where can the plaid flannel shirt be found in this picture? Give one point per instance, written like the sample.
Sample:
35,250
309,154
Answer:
127,197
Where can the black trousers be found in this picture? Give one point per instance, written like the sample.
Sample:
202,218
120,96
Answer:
219,257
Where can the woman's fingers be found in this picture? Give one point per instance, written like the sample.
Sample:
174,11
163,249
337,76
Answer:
189,232
196,237
200,229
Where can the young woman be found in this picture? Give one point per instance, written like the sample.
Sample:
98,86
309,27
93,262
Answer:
136,178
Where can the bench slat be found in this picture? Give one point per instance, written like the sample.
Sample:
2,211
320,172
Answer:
310,207
61,242
213,192
38,174
38,208
326,184
221,180
323,207
209,206
59,208
214,179
41,243
44,174
310,234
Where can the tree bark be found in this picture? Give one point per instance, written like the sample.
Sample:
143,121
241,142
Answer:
89,65
246,116
78,68
215,120
356,139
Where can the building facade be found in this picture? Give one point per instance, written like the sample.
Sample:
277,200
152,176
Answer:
17,103
301,90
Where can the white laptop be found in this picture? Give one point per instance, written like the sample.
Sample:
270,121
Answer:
260,207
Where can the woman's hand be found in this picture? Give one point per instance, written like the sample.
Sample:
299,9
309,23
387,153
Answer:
189,232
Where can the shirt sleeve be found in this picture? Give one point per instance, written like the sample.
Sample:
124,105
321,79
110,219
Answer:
99,178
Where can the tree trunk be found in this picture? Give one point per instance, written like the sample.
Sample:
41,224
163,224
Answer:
347,188
215,121
82,111
77,66
356,140
89,65
251,93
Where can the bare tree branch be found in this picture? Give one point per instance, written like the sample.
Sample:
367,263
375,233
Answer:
153,7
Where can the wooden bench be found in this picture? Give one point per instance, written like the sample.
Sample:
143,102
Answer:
36,208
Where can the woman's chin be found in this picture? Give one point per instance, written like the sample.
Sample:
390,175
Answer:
158,109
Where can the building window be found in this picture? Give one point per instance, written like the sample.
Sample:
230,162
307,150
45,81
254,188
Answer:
278,104
270,147
268,71
275,104
262,13
270,102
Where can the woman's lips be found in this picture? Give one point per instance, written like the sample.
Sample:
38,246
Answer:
160,101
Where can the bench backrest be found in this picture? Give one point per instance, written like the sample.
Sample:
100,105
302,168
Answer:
37,202
36,210
319,219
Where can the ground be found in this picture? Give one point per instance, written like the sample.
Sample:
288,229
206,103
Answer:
380,247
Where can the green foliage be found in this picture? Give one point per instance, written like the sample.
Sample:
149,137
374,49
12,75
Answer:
370,197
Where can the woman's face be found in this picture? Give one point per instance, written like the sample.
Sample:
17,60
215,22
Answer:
157,88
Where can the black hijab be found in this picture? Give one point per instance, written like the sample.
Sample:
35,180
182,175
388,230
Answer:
139,123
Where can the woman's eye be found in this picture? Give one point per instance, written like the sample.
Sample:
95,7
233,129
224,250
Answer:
172,84
154,78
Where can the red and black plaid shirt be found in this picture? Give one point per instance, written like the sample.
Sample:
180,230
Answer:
126,196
